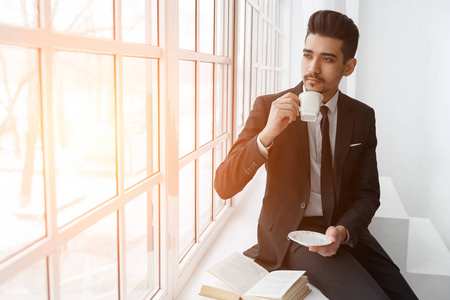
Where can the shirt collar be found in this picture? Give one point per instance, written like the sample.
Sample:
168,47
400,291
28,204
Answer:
332,103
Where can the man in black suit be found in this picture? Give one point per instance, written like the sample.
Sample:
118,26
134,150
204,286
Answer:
301,192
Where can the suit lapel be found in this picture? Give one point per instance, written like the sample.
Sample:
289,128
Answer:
300,131
344,134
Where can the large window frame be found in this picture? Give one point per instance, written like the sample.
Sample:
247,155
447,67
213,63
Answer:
173,273
248,74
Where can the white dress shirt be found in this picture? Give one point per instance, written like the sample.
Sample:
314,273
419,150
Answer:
315,148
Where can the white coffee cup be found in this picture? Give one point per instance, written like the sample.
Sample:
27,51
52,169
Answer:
310,105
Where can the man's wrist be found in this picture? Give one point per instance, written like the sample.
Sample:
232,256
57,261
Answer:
265,140
263,150
344,233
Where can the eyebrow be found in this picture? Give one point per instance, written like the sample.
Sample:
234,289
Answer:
322,53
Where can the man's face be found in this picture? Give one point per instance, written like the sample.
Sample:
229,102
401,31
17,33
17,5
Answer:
323,65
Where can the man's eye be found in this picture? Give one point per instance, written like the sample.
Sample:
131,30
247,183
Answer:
327,59
307,55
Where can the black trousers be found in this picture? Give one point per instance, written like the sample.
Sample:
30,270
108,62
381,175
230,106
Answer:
360,272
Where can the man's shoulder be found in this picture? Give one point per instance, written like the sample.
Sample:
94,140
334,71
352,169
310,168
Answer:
352,103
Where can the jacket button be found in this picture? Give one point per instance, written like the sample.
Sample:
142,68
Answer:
303,206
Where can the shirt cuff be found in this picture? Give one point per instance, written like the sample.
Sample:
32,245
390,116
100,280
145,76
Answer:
348,237
263,150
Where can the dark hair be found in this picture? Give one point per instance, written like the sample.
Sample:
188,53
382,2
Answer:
335,25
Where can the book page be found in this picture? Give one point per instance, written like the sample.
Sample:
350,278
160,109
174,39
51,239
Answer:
214,288
275,285
239,272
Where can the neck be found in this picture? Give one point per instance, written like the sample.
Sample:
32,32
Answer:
328,95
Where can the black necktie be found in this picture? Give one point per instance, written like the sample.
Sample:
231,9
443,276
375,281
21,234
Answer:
326,170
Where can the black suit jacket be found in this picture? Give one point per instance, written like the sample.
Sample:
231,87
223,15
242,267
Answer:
288,175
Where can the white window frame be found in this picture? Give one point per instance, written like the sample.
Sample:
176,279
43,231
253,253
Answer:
173,275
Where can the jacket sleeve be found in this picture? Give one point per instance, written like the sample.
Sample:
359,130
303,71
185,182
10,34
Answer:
244,158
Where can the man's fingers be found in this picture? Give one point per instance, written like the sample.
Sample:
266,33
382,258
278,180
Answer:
286,107
286,104
291,96
285,110
290,101
328,250
324,251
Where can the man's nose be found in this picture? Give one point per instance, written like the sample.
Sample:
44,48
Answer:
314,67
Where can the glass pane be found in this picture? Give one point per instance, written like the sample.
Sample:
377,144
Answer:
19,13
186,208
249,58
206,99
88,263
269,44
84,114
226,33
277,14
140,111
270,81
226,98
219,26
255,85
142,249
187,24
263,82
241,38
220,104
256,38
277,49
140,21
206,28
205,179
275,80
93,18
264,43
187,107
219,155
22,207
30,283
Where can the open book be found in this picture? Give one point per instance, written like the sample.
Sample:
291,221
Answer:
242,278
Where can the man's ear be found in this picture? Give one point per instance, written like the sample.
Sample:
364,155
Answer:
350,66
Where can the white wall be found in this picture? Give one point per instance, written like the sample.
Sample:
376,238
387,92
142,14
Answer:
402,72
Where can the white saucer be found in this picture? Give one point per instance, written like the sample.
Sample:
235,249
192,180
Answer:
309,238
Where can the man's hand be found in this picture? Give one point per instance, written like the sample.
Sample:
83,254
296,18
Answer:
283,111
337,235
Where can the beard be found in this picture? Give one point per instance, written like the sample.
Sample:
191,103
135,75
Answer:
311,76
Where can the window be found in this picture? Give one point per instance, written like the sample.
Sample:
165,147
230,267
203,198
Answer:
83,163
258,63
114,116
